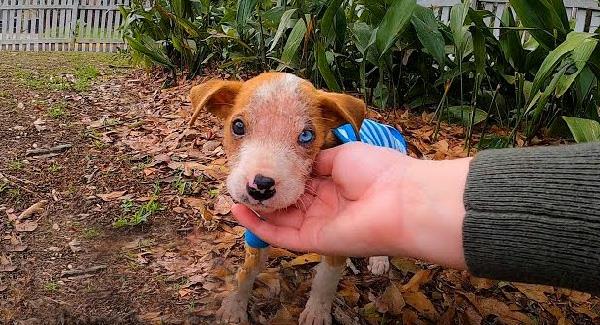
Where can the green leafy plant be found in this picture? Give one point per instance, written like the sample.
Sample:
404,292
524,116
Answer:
140,214
523,74
57,110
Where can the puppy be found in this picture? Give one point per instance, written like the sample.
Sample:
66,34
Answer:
275,125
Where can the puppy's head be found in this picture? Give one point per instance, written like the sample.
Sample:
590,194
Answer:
274,126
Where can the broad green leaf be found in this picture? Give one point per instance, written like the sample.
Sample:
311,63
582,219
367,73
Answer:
574,39
283,25
364,36
583,130
460,32
245,8
324,68
148,47
393,24
580,57
479,50
293,42
426,26
546,18
510,41
327,22
381,95
462,114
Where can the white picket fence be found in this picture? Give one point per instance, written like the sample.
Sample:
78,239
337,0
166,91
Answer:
60,25
585,13
92,25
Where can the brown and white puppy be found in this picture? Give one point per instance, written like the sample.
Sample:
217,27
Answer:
275,125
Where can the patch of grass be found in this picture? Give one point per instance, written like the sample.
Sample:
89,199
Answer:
141,214
4,94
14,193
3,187
15,165
84,76
51,286
54,167
213,193
127,205
57,110
181,185
91,233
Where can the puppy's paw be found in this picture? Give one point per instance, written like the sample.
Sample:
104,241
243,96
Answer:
315,313
379,265
233,310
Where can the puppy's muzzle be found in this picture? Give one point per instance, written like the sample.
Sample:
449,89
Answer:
262,188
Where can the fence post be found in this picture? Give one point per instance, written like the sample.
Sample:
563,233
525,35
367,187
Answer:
73,29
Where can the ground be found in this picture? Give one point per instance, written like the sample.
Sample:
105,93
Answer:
131,219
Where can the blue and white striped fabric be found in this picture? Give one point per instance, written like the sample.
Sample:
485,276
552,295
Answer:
371,132
374,133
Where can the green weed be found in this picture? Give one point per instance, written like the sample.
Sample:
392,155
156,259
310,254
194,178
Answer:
3,187
54,167
91,233
51,286
15,165
57,110
181,185
141,214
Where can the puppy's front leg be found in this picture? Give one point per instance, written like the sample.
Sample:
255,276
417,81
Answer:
233,308
318,307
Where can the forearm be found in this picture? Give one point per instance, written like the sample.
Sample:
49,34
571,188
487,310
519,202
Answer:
533,215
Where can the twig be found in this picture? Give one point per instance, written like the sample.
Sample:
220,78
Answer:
76,272
43,151
36,208
5,179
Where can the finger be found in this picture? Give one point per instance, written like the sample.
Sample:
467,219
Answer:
279,236
324,162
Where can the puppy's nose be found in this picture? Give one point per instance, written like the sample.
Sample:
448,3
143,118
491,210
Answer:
263,188
263,182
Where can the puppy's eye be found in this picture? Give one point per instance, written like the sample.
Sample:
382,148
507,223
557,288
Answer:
306,137
237,127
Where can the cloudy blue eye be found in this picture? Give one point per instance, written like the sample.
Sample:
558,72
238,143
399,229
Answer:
306,137
238,127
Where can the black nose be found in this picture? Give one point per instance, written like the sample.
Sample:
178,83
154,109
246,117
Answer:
265,188
263,182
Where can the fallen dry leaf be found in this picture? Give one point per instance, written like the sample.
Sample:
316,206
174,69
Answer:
349,292
111,196
491,306
422,304
405,264
576,296
393,300
26,226
534,292
420,278
482,283
302,259
223,204
6,264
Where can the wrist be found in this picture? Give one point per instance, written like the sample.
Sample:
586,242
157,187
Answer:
432,199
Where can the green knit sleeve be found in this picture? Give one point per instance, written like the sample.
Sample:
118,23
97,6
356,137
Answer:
533,215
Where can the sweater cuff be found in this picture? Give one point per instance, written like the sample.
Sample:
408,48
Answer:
533,215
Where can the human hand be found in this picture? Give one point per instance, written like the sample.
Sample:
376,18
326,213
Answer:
368,201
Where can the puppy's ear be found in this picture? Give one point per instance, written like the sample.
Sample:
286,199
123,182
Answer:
217,96
339,109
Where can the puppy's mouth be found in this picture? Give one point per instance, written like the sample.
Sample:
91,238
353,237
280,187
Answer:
256,205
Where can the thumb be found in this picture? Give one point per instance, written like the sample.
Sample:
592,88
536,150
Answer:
280,236
324,162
